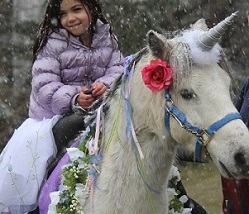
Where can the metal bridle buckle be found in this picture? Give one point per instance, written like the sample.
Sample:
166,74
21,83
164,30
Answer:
205,137
169,103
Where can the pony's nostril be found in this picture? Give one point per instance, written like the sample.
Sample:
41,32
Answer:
240,159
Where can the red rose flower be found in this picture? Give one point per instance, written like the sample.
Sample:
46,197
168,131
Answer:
157,75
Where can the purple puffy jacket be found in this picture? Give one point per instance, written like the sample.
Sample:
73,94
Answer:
64,66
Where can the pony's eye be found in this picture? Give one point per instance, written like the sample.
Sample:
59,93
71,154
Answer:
186,94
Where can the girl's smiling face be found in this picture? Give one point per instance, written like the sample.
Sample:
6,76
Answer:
75,17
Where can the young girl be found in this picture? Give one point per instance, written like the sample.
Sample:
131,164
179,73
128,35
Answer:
74,51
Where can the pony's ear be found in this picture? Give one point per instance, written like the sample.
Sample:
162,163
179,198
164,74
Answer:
200,24
158,45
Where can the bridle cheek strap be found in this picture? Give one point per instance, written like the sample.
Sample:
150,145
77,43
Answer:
203,135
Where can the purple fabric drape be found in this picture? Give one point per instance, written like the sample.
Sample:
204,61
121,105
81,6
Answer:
52,183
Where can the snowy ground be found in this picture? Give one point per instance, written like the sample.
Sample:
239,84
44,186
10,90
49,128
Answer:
203,184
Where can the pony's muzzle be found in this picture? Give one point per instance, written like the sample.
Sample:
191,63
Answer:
241,163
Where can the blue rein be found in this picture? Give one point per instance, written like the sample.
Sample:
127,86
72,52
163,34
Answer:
204,136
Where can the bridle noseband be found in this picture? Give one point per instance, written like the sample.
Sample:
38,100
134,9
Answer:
204,135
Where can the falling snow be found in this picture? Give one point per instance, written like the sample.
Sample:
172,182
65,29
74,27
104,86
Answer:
130,21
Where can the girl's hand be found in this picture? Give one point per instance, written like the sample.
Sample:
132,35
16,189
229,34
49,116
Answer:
84,99
98,89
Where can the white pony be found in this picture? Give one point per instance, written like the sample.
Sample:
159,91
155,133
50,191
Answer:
149,125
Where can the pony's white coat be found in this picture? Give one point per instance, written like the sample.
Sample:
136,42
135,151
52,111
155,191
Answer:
120,187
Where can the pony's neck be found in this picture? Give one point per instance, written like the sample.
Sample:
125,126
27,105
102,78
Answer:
126,181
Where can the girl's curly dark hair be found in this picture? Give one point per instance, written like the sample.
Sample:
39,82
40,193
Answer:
51,21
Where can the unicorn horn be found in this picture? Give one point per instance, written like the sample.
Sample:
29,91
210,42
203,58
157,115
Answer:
207,40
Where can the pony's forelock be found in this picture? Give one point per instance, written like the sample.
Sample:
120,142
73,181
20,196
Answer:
180,62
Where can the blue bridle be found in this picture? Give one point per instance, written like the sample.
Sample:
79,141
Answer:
203,135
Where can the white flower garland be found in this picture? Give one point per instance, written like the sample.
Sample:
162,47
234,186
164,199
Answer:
73,203
176,204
